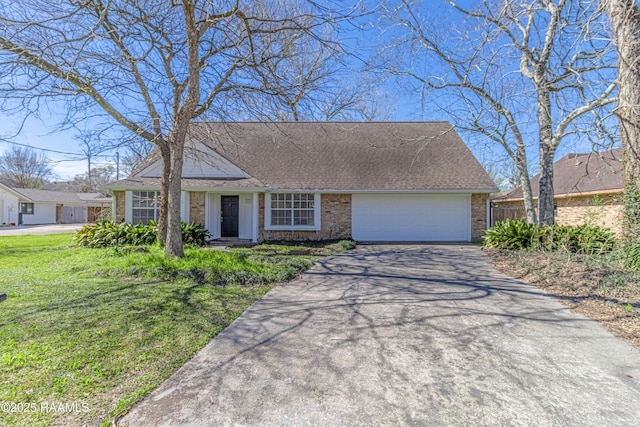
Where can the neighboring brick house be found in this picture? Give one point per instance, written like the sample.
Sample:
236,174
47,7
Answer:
588,190
410,181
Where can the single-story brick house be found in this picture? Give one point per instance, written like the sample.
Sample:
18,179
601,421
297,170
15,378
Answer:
33,206
588,189
411,181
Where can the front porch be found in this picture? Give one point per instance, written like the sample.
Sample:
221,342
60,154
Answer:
229,216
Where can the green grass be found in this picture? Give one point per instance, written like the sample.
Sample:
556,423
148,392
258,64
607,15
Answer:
102,327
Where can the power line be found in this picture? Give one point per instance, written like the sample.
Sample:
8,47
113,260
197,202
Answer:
109,156
38,148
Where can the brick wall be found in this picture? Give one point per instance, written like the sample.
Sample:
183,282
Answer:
119,197
196,207
478,216
581,210
335,219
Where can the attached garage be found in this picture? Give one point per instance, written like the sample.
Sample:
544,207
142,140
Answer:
411,217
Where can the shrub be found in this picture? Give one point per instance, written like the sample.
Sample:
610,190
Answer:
194,234
593,240
518,234
510,234
108,233
632,256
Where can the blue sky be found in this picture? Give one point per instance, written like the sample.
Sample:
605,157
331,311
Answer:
43,134
67,158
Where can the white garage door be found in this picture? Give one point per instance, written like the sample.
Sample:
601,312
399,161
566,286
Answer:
411,217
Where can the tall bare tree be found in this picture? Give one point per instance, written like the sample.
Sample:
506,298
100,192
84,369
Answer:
24,168
315,80
624,16
153,66
91,146
508,67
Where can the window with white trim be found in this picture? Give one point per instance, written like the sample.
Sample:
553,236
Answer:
292,211
145,206
26,208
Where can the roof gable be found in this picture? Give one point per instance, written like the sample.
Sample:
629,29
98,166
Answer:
13,191
200,161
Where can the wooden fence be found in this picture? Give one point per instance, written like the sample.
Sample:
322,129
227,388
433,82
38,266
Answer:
501,213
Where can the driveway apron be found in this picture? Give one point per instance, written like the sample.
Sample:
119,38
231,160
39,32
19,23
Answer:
404,335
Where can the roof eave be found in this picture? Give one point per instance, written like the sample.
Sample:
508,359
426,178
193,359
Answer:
274,189
566,195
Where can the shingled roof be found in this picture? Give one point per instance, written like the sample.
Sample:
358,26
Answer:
341,156
58,197
576,174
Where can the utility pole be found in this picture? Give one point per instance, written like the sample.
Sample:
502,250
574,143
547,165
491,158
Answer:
117,166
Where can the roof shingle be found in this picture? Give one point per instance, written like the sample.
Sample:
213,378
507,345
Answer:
581,173
341,156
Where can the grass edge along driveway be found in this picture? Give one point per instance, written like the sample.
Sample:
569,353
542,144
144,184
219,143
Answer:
86,333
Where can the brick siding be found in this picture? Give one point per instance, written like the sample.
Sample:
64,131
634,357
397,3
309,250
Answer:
119,196
196,207
478,216
580,210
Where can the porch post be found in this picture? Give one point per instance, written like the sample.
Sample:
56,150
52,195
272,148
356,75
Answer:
256,213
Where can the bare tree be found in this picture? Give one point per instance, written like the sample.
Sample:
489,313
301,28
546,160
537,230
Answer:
135,151
315,80
153,67
92,180
24,168
508,67
624,16
91,146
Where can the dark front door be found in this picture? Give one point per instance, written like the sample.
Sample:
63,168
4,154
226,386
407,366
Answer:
229,216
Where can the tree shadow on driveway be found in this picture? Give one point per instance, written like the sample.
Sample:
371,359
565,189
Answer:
404,335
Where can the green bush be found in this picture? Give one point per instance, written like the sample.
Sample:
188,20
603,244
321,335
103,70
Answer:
518,234
632,256
109,233
593,240
510,234
194,234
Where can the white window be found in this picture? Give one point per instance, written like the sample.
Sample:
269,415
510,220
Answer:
292,211
145,206
26,208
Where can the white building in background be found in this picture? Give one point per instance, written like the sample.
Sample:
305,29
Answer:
28,206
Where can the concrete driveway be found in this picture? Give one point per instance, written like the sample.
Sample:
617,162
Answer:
404,335
22,230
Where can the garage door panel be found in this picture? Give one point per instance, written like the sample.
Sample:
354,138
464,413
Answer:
411,217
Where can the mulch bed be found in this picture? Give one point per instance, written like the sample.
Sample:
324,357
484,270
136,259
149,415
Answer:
577,286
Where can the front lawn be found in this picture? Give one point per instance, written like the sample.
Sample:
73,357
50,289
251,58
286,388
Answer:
85,333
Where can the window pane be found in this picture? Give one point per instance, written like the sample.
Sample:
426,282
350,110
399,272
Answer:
280,217
292,209
144,206
26,208
303,217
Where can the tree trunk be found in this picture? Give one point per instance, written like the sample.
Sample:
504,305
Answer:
547,152
546,192
625,22
164,192
525,183
173,246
